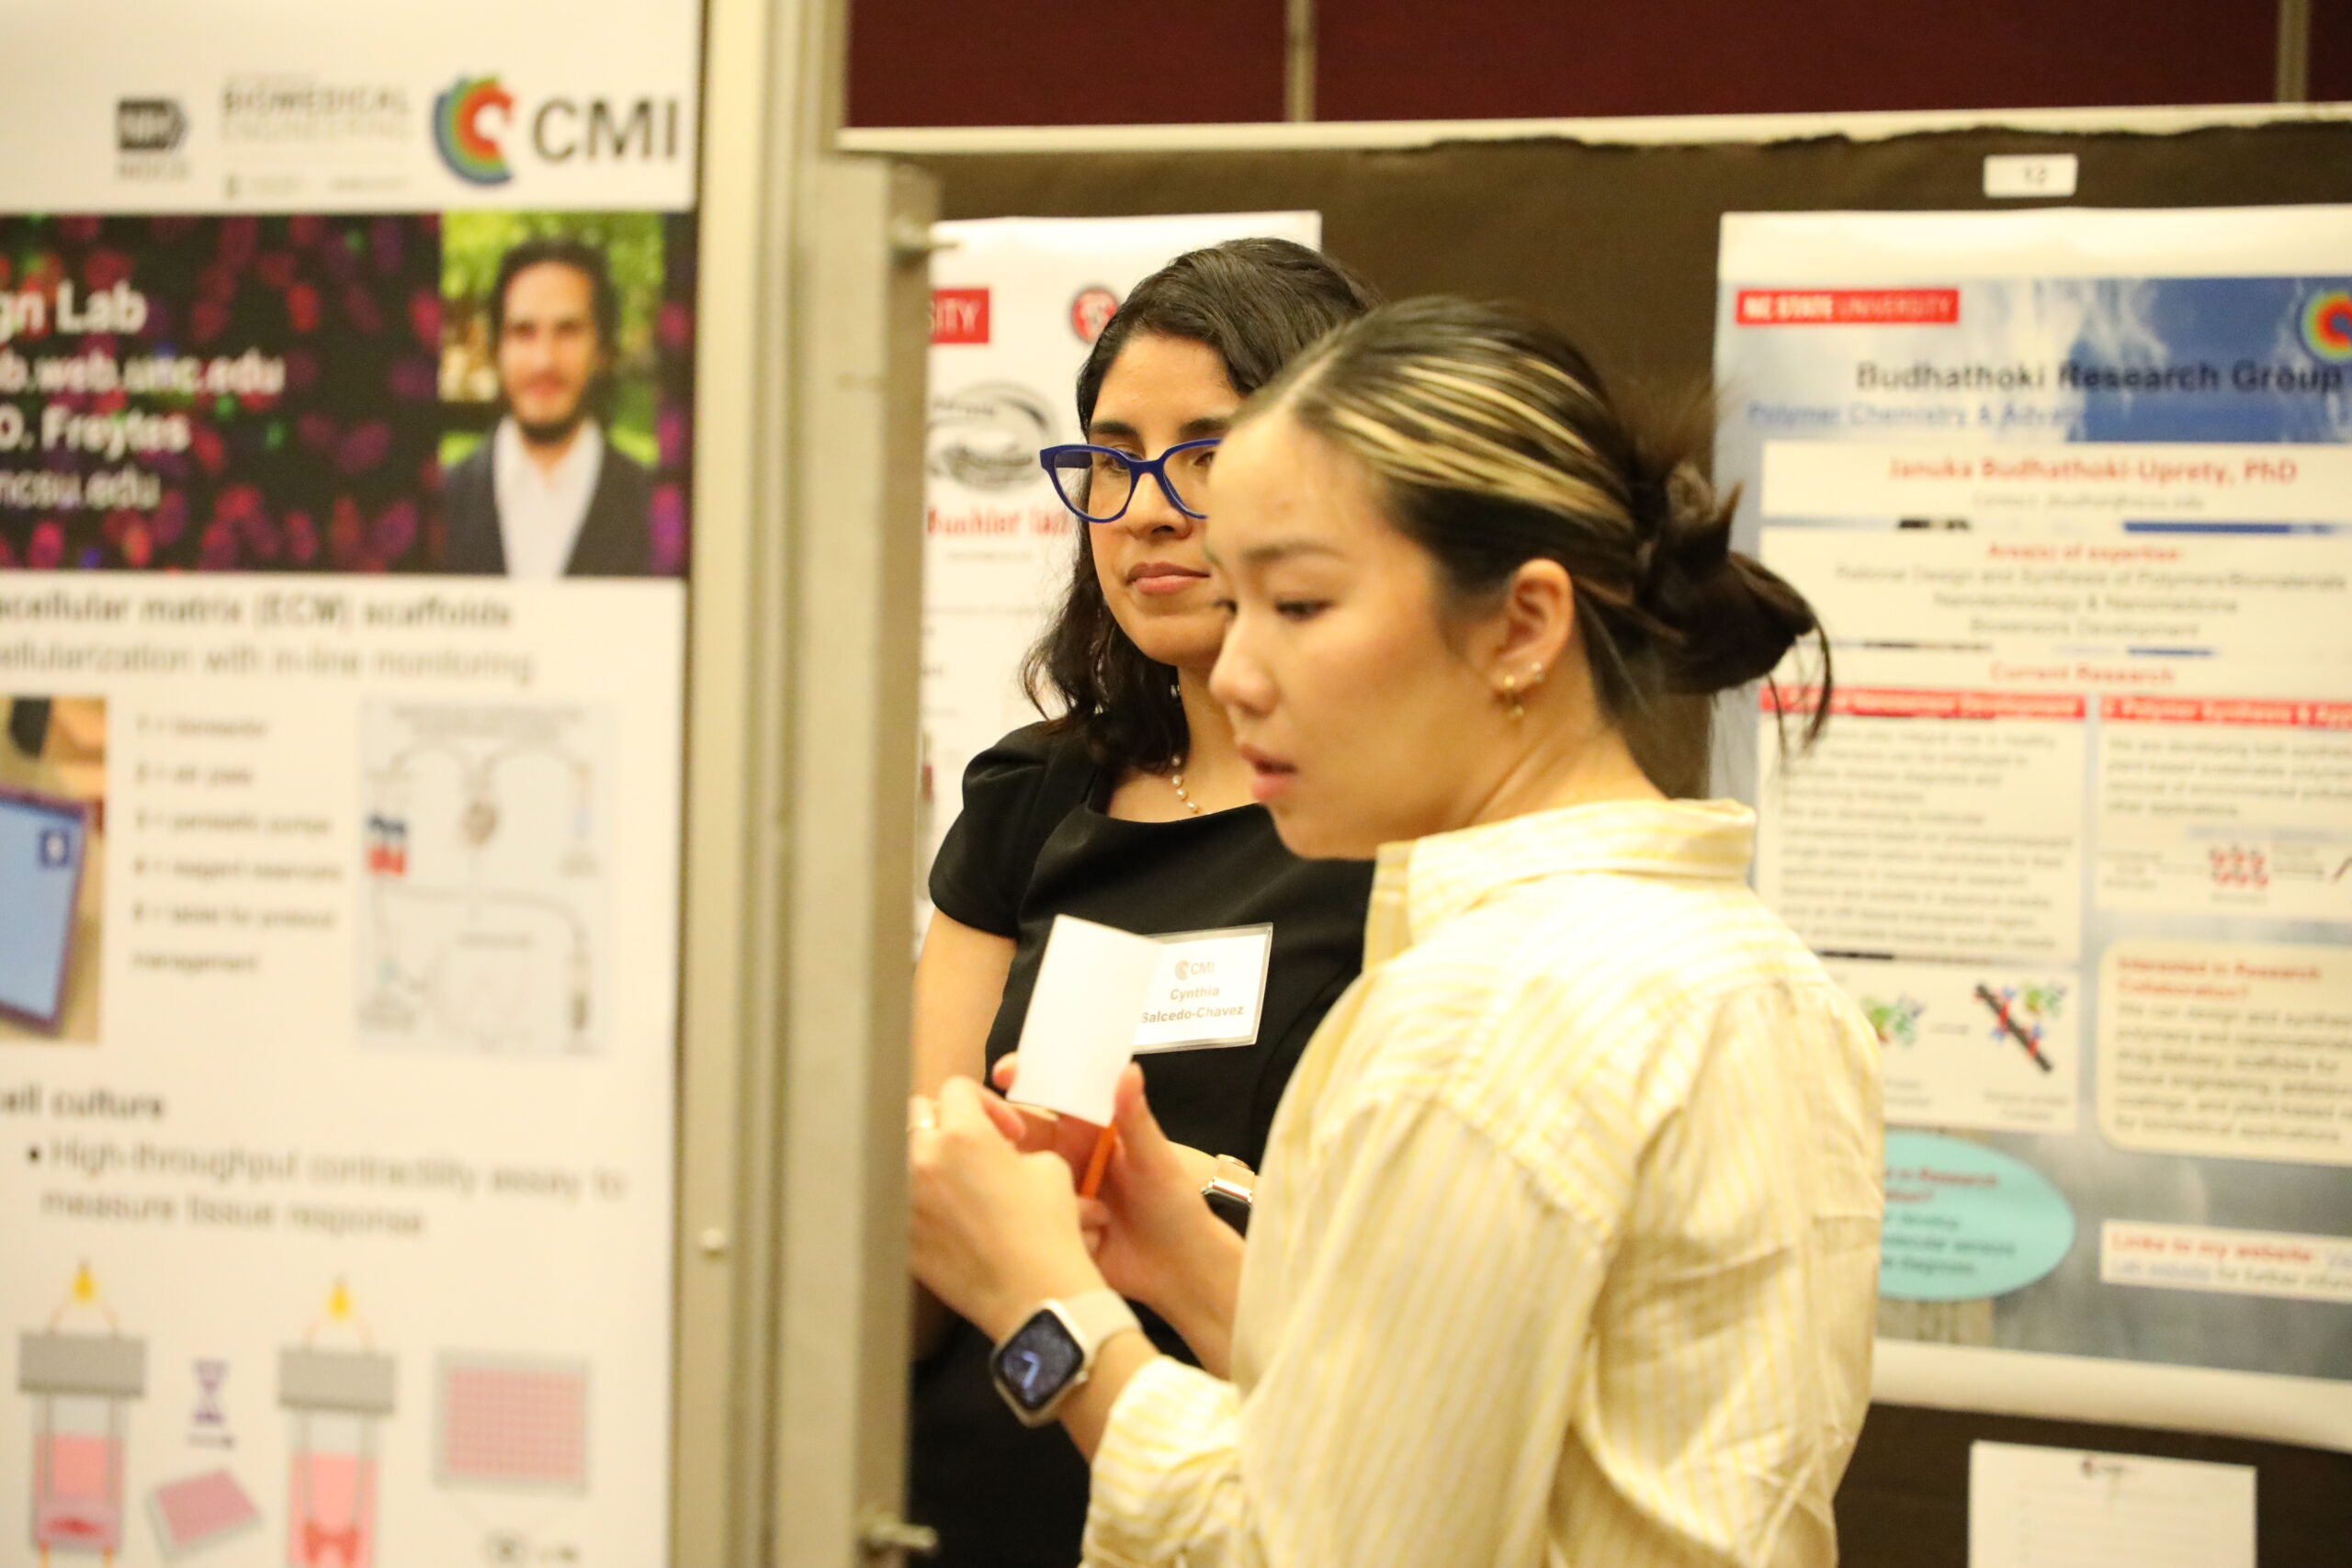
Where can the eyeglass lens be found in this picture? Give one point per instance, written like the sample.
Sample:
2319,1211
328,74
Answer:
1098,483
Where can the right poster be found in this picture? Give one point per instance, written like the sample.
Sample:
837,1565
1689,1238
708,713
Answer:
2072,493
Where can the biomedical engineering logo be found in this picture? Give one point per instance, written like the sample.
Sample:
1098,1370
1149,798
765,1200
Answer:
289,110
2328,326
470,148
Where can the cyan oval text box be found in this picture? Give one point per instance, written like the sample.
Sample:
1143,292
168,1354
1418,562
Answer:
1964,1222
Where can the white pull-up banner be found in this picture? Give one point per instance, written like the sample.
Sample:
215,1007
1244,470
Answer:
345,451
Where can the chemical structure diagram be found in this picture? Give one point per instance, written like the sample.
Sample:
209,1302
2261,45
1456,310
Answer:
2021,1015
485,911
1895,1021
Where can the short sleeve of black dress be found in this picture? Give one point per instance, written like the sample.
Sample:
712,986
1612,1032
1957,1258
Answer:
1015,792
1034,841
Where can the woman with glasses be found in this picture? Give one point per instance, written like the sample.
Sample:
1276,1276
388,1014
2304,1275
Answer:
1566,1249
1131,809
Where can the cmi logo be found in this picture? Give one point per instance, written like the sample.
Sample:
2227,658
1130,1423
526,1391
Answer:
473,120
2327,325
470,148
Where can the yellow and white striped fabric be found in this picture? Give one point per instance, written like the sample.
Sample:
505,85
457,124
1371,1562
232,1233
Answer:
1567,1248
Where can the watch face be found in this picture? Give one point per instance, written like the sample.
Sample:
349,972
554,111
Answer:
1037,1361
1233,1210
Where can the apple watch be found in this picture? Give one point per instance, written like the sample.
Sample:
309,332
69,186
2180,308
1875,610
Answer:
1228,1192
1040,1364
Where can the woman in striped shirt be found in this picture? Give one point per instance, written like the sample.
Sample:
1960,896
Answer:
1566,1246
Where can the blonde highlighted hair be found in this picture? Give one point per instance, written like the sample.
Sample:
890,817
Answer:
1493,442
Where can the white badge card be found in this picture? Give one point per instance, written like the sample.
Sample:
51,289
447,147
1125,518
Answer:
1209,990
1081,1028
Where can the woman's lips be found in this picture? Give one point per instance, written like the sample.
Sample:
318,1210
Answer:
1270,777
1161,577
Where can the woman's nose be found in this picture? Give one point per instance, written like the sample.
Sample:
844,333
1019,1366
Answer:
1150,510
1238,680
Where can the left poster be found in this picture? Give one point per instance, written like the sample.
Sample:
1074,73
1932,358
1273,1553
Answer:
345,438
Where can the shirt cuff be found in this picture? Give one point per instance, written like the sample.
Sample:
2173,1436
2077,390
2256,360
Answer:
1167,1457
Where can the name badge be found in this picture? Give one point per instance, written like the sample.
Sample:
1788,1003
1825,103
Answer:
1209,989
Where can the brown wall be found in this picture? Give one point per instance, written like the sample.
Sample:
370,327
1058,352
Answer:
2330,51
1409,60
1083,62
1064,62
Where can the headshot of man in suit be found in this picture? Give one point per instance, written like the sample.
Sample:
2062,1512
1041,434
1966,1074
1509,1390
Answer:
547,495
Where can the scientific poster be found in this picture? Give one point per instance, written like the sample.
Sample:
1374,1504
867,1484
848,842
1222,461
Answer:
345,440
1016,303
2071,492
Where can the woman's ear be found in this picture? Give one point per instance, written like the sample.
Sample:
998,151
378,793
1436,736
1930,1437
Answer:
1531,629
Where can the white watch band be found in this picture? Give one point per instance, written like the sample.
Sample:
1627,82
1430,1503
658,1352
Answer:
1097,1317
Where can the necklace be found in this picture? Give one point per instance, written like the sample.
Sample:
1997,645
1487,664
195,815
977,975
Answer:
1177,779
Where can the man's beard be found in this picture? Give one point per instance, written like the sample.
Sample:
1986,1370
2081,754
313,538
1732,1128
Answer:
553,432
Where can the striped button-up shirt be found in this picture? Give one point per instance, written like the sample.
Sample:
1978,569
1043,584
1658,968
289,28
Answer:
1567,1246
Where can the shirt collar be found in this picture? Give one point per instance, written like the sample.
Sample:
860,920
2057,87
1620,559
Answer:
575,471
1420,883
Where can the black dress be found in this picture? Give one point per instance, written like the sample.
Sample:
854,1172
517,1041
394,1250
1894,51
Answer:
1033,842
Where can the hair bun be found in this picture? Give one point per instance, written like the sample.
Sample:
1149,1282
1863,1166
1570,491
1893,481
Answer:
1730,619
1689,531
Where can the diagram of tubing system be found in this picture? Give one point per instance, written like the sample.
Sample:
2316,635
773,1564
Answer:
486,911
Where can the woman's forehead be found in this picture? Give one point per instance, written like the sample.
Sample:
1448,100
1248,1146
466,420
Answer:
1277,487
1154,373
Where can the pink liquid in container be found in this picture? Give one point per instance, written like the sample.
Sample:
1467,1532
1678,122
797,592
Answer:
332,1522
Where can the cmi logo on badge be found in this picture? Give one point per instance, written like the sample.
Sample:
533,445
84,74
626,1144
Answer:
1209,989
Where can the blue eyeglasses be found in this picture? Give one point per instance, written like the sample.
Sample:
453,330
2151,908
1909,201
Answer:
1090,478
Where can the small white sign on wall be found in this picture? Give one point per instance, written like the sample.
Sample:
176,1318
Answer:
2021,176
2035,1507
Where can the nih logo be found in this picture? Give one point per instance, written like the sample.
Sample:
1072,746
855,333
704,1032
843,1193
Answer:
148,125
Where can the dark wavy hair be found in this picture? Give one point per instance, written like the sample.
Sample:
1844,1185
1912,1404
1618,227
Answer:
1493,442
1257,303
605,300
